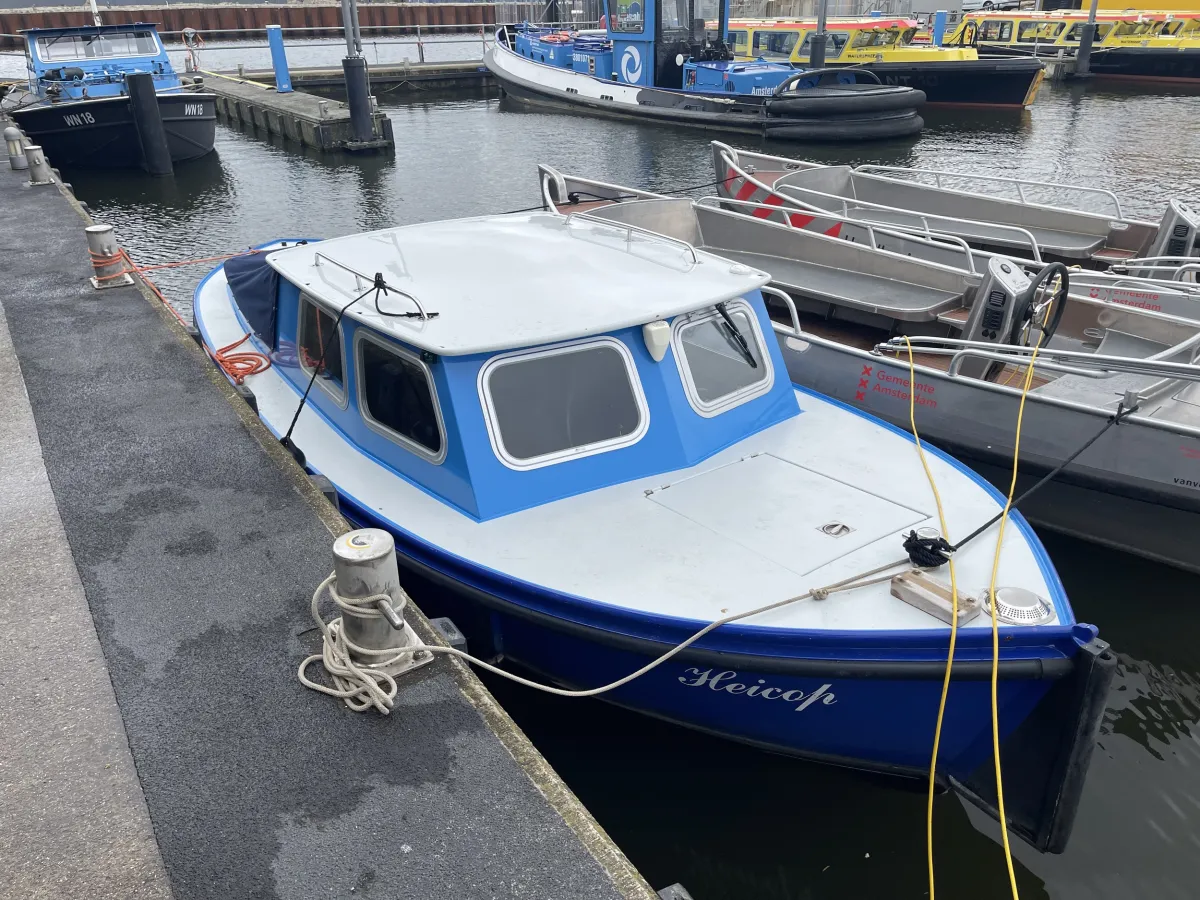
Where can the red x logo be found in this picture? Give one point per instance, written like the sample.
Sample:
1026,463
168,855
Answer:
860,396
862,382
866,370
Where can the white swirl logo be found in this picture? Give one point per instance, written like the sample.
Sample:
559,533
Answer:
631,65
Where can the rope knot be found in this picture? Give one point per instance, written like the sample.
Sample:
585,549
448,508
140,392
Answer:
927,552
820,593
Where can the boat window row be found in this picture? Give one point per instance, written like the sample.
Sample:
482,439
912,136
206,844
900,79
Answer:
107,45
540,406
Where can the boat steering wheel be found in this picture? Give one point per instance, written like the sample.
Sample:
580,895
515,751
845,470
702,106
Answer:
1035,304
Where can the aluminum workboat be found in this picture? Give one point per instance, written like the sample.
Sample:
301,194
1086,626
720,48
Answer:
1072,223
588,439
847,293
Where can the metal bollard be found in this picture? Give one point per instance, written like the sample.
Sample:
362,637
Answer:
322,109
365,564
16,149
39,169
107,260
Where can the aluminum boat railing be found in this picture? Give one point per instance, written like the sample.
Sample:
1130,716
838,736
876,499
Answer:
1021,184
846,204
1178,266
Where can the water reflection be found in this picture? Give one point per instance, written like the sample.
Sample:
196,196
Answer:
733,823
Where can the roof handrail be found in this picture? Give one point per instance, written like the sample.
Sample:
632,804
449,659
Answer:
630,229
318,256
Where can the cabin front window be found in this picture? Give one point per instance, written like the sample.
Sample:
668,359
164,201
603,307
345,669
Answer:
320,349
775,44
739,41
397,398
563,403
833,46
996,30
1075,35
68,47
721,359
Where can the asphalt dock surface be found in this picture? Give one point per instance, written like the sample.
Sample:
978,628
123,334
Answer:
159,554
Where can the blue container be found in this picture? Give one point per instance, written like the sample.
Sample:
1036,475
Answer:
554,53
593,56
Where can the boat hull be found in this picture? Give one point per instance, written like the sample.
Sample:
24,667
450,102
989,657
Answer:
1011,83
841,117
1137,490
875,715
101,133
1129,63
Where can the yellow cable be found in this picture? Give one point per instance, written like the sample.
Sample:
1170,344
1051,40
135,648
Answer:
937,733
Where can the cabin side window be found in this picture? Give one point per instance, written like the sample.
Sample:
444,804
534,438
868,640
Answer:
1037,32
626,16
67,47
397,398
562,403
833,46
1076,33
320,348
721,358
775,44
739,41
996,30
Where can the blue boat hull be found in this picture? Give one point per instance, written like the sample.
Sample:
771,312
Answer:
875,714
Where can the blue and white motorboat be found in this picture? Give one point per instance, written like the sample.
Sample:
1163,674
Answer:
659,61
587,439
76,105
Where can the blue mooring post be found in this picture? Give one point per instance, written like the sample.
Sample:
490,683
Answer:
939,27
283,78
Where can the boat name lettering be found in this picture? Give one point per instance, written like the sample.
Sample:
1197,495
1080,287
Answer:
723,681
1138,299
763,91
83,118
193,109
884,375
1182,482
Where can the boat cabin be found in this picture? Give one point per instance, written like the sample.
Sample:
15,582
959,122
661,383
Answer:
851,41
1029,30
570,354
90,61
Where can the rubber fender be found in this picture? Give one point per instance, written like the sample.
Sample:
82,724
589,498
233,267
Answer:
838,103
845,129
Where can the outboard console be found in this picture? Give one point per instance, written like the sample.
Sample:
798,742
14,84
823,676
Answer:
1176,237
992,314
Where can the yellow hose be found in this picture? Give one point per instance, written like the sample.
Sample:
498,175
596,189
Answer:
937,733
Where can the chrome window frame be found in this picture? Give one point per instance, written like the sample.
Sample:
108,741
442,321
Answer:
736,398
570,453
361,336
59,62
340,398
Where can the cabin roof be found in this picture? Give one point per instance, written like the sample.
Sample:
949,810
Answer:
87,29
504,282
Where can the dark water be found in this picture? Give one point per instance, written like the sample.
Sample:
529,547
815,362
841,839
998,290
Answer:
729,822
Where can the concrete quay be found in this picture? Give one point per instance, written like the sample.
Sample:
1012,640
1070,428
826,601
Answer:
158,550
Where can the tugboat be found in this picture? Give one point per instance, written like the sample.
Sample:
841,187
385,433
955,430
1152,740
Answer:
949,75
77,106
658,61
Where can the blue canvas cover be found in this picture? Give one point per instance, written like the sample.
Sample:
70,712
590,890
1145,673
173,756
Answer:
255,288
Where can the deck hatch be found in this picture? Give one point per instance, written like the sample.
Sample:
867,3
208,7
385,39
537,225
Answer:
773,507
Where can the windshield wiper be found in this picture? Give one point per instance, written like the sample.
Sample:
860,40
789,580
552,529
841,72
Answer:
739,339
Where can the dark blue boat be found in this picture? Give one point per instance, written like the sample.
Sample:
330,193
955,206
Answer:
76,103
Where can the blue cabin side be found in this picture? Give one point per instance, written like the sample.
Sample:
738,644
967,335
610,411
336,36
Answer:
92,61
470,468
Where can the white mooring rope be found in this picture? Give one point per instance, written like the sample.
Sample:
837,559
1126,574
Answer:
362,689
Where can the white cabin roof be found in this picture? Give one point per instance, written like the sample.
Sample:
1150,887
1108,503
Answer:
502,282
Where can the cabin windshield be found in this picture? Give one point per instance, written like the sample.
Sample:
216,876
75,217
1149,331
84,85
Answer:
675,16
108,45
718,371
1033,32
1076,32
875,39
